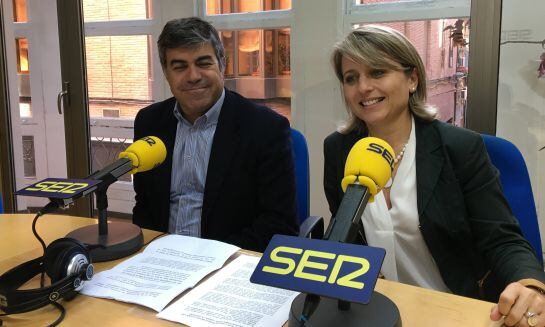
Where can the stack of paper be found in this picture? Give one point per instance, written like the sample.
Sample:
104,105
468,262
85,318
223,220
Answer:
166,268
229,299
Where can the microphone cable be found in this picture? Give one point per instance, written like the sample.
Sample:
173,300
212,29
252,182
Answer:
50,207
311,304
55,323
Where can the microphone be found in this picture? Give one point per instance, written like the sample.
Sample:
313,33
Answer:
143,155
124,238
335,272
368,168
119,239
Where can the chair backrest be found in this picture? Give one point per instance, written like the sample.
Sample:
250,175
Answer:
516,186
302,179
1,208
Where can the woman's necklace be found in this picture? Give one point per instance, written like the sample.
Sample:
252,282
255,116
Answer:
401,153
397,159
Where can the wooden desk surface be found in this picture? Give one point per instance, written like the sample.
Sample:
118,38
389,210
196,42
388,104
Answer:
418,307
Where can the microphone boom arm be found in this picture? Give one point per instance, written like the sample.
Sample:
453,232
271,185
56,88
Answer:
344,227
108,175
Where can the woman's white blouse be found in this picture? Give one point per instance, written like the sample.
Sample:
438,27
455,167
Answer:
408,259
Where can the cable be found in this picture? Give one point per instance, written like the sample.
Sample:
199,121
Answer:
311,304
50,207
59,319
42,274
61,315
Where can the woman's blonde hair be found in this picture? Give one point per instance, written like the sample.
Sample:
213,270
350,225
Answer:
380,46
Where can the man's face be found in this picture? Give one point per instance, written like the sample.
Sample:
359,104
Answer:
195,78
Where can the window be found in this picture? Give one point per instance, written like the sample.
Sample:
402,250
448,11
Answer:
219,7
19,11
259,69
283,50
23,78
123,76
21,45
105,150
118,74
366,2
111,10
256,35
248,46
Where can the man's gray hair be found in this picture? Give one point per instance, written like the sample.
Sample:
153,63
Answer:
189,32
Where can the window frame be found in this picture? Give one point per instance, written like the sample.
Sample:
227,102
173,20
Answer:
121,192
404,11
241,21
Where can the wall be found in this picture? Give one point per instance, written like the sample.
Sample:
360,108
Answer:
521,94
316,99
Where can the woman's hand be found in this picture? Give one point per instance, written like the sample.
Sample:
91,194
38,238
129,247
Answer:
520,306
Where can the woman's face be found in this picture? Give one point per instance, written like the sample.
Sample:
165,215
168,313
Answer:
377,96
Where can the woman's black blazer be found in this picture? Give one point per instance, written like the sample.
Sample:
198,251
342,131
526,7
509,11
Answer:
465,219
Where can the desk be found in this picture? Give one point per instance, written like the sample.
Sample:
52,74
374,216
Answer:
418,307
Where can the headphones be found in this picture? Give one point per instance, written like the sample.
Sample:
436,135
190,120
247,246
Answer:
66,261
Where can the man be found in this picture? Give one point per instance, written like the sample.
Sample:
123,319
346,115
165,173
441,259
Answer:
229,173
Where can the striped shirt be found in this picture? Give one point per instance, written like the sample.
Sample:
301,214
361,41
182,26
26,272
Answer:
189,166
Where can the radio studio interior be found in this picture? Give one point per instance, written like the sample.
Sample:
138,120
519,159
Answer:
259,163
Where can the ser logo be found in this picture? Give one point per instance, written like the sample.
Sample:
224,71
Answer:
333,269
289,266
150,141
377,148
52,186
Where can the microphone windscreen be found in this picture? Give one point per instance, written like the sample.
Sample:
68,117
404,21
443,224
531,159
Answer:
145,154
370,159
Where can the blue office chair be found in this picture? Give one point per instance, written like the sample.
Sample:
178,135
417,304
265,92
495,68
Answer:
516,186
1,208
310,226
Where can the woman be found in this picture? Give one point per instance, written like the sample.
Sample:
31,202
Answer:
443,218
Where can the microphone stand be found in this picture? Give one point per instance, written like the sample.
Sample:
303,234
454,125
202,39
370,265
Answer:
345,227
113,240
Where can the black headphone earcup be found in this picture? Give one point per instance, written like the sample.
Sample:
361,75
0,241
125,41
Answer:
66,261
58,256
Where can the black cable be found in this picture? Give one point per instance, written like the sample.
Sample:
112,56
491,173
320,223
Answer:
50,207
311,304
42,274
55,323
61,316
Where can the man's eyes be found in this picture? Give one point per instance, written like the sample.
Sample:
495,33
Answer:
205,64
179,67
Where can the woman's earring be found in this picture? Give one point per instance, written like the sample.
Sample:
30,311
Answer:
413,90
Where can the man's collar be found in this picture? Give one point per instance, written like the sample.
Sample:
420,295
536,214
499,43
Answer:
209,117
